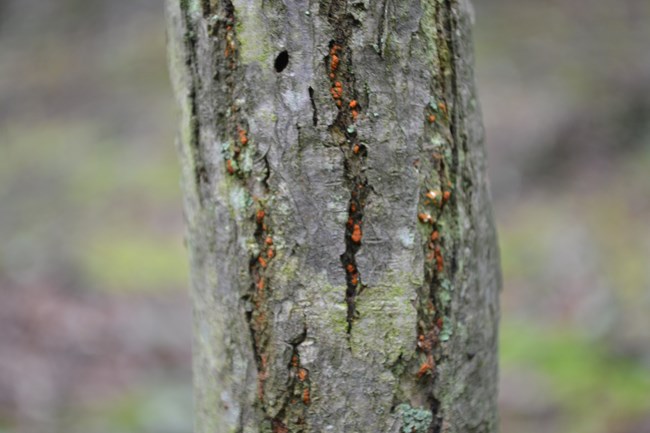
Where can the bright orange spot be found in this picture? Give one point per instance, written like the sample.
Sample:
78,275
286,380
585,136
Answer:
260,216
356,234
424,217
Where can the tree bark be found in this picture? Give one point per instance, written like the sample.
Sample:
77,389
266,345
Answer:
344,261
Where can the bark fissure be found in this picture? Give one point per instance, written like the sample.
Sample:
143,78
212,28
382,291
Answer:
381,31
439,212
313,107
345,95
291,416
240,154
200,171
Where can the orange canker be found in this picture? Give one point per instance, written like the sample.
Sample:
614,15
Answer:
356,234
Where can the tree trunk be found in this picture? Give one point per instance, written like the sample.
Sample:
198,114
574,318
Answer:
344,261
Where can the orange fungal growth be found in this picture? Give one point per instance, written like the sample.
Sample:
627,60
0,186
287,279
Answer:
334,63
302,374
354,114
424,369
336,92
270,253
339,104
260,216
356,234
268,240
356,149
229,167
442,106
294,361
353,103
432,194
349,268
260,284
440,264
446,195
306,397
354,280
243,139
432,118
435,235
425,217
262,261
278,427
350,222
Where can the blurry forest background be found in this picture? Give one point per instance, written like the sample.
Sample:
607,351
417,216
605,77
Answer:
94,310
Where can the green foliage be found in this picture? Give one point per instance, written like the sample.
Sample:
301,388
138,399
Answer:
135,262
582,374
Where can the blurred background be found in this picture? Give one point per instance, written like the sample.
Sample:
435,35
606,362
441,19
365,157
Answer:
94,312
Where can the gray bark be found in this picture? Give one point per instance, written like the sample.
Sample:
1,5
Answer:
344,262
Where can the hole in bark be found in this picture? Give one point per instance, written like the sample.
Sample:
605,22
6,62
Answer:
281,61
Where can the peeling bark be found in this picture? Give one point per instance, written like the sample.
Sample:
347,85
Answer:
344,262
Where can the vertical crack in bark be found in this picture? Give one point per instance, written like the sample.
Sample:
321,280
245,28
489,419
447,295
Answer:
381,31
439,211
200,172
344,132
241,159
313,107
292,415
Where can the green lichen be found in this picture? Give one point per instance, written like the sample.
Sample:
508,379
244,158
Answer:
251,33
386,320
335,315
414,420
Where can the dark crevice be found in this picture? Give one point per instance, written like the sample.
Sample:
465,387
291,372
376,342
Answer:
201,177
281,61
383,24
340,70
291,417
313,107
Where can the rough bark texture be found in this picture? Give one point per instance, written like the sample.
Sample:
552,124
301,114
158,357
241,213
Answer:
344,259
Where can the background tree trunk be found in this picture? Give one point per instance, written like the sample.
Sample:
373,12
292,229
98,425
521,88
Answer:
344,258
